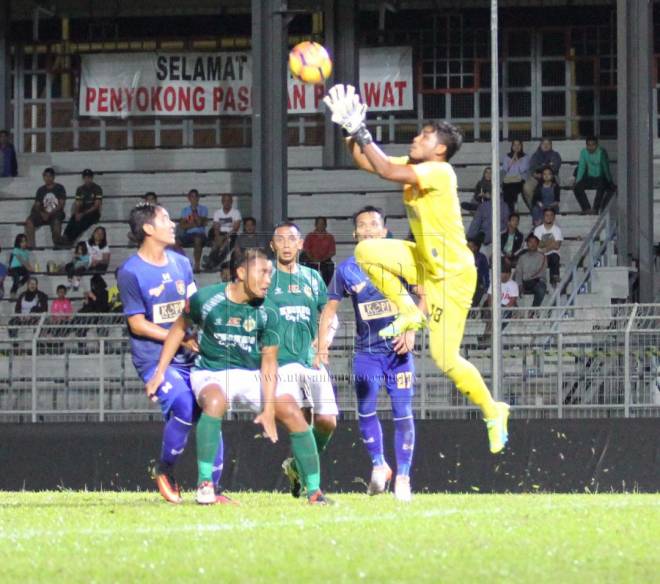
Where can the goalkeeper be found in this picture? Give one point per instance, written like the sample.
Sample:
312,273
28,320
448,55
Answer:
439,262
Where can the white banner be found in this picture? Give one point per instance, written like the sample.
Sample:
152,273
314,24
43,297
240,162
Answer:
212,84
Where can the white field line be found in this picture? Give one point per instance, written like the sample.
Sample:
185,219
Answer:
250,524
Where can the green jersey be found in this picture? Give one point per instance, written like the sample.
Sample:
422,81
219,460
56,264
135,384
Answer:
231,335
299,299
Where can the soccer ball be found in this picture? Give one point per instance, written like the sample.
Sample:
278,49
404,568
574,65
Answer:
310,63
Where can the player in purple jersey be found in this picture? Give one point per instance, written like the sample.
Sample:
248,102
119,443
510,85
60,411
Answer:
155,285
377,361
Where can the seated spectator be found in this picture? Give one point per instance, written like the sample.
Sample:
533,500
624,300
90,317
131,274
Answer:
3,274
222,235
481,226
78,265
550,238
86,208
483,271
511,239
482,191
530,271
96,300
31,301
150,197
99,251
593,172
250,238
509,294
543,157
48,209
192,227
20,265
61,307
515,169
8,166
319,248
546,196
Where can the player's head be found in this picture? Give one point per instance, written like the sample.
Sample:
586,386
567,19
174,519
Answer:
438,140
549,216
369,223
252,269
287,242
193,196
151,223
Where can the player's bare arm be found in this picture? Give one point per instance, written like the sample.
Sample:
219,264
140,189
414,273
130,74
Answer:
142,327
328,317
268,385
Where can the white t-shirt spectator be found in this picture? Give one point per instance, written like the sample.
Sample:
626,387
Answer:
509,290
552,234
96,252
226,220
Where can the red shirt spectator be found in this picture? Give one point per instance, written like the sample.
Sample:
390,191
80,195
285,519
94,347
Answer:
320,245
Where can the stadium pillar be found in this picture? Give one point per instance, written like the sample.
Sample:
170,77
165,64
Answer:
269,112
635,140
341,19
5,67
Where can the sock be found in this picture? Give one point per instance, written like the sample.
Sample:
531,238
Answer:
208,430
372,437
404,444
468,381
175,436
307,459
219,461
322,438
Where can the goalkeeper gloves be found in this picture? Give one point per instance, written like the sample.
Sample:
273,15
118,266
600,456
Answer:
348,112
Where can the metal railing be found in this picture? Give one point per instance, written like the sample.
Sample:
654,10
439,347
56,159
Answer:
565,362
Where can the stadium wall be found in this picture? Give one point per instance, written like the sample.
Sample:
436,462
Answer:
612,455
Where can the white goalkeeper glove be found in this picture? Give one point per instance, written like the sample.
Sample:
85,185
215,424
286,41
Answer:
347,109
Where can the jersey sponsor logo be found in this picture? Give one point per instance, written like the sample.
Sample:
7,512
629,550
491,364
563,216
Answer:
242,341
294,289
168,311
166,277
157,291
277,291
376,309
357,288
234,321
218,321
249,325
181,287
295,313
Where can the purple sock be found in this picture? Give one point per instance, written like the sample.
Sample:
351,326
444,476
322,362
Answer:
218,463
175,436
372,436
404,443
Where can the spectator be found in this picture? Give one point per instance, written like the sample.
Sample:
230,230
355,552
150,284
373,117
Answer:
483,271
99,251
78,265
482,191
3,274
593,172
61,306
546,196
511,239
20,265
550,238
222,235
481,226
86,208
509,294
543,157
48,209
151,198
530,271
250,238
32,300
192,227
96,300
319,248
8,164
515,168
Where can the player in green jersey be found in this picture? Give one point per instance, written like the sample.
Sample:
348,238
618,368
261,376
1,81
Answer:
299,295
237,365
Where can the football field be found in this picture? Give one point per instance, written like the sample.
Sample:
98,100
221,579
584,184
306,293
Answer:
135,537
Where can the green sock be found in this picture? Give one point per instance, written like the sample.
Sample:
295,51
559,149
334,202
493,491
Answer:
307,459
208,430
322,439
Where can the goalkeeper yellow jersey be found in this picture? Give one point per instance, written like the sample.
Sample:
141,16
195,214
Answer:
434,213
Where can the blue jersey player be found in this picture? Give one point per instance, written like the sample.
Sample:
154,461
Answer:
155,285
376,362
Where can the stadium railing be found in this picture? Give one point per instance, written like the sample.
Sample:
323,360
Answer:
570,362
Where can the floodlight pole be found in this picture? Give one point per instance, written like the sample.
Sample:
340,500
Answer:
496,367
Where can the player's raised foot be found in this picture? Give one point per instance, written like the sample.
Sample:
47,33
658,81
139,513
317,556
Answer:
205,493
498,428
410,321
380,479
222,499
402,489
318,498
291,472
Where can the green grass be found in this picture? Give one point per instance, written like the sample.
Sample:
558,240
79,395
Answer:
135,537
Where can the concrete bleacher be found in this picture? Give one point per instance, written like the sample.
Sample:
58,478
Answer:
313,191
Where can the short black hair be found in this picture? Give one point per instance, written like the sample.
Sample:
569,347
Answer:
551,209
476,241
448,134
514,214
592,138
287,223
150,194
252,219
506,265
242,257
61,286
531,235
141,214
369,209
320,218
191,191
49,170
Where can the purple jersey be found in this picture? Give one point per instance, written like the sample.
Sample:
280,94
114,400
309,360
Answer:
372,310
160,293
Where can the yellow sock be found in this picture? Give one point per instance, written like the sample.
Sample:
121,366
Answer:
468,381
